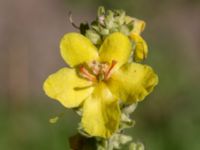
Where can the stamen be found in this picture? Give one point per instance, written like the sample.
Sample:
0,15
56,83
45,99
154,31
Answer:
109,72
86,74
96,71
94,67
105,67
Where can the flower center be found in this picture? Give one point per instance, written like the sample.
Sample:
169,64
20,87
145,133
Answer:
96,71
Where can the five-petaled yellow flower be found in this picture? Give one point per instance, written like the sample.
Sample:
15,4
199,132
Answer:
97,79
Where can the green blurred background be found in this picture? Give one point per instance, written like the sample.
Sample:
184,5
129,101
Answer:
30,30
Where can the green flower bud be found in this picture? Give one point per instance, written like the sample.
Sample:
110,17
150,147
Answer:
133,146
93,36
123,139
124,29
136,146
140,146
130,108
109,20
120,17
104,31
101,11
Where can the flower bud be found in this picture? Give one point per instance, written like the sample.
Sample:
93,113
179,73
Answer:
141,48
139,25
93,36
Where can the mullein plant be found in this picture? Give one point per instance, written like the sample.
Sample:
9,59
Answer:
104,80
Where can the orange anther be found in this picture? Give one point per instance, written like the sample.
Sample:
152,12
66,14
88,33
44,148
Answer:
109,72
86,74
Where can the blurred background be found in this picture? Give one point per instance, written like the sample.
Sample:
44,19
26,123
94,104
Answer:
30,31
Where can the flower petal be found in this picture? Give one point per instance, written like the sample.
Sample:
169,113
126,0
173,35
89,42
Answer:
116,47
66,87
141,48
133,82
77,49
101,113
138,25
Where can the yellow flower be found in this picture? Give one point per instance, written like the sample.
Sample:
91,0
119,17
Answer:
98,79
141,48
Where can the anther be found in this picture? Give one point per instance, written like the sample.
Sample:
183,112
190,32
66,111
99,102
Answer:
109,72
86,74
